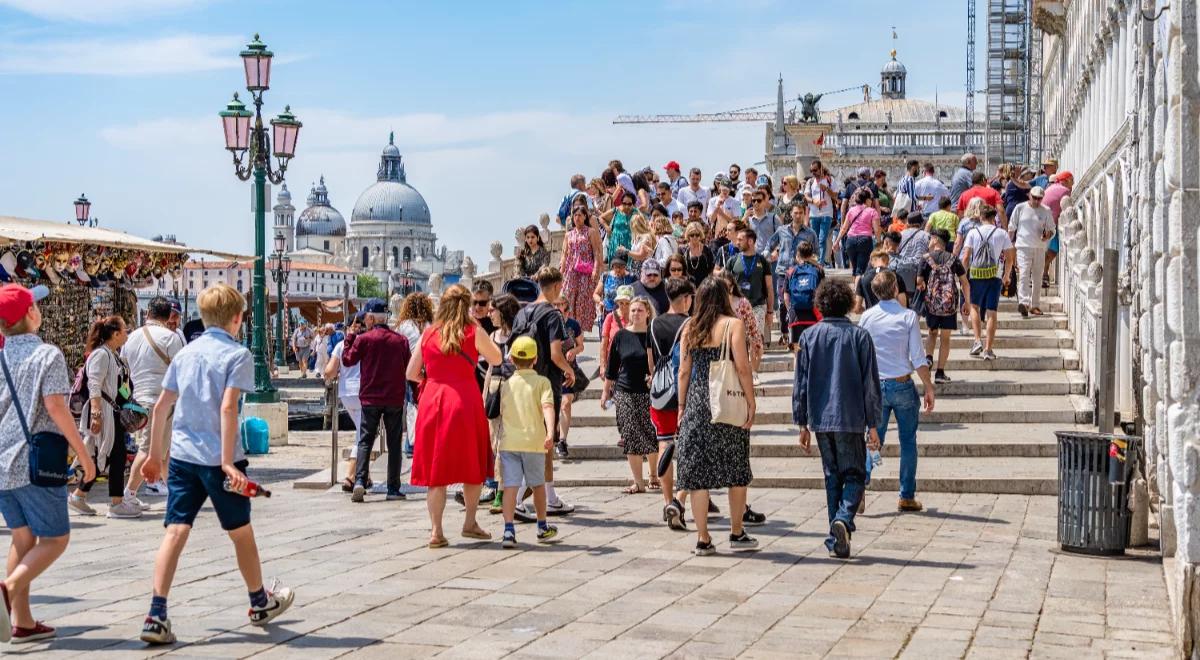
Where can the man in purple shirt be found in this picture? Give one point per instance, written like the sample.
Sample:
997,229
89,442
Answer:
383,355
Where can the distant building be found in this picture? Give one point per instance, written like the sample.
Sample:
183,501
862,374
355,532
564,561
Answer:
307,280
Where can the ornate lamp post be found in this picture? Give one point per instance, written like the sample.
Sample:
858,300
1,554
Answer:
83,209
241,136
281,268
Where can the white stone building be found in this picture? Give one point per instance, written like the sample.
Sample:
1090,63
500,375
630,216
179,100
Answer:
307,280
1121,97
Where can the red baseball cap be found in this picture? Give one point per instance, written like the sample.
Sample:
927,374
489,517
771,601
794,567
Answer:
671,166
1063,176
15,301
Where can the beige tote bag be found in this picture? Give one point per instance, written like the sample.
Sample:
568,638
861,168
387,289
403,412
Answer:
725,395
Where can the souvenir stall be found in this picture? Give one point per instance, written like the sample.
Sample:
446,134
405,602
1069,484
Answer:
91,273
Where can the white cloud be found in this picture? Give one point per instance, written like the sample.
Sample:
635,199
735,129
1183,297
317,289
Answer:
99,11
182,53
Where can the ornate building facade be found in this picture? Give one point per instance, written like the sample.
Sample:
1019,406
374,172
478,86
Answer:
1121,97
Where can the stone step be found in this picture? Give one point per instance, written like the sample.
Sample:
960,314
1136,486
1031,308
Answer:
1015,340
1030,359
998,475
968,441
1019,409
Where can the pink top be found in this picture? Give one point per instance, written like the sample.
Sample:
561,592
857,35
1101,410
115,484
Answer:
862,220
1053,199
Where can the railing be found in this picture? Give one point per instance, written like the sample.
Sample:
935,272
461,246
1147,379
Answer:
914,141
502,269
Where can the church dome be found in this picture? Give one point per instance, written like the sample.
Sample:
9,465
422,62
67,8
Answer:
390,198
893,67
284,197
320,218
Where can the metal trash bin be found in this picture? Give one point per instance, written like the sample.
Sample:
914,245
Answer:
1094,473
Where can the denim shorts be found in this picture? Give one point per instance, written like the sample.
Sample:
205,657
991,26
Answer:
529,466
42,509
189,485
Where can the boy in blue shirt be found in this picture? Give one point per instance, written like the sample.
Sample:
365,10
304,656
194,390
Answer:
204,383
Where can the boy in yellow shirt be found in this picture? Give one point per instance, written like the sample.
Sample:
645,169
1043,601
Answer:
527,413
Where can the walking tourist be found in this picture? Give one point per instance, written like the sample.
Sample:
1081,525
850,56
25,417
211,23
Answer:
980,189
627,382
665,332
573,345
800,292
698,259
1059,188
579,264
911,249
753,276
1017,190
618,226
533,254
836,395
693,191
745,313
148,351
652,287
946,220
989,255
666,197
505,308
930,192
722,205
382,391
962,178
906,189
896,332
665,244
108,385
864,296
944,281
302,340
820,191
34,398
643,244
348,379
452,443
711,455
860,229
1049,169
1030,228
527,410
761,220
674,176
416,314
204,383
320,348
781,250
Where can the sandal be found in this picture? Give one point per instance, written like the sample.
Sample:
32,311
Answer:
476,533
655,487
634,489
1045,281
347,485
439,542
1036,311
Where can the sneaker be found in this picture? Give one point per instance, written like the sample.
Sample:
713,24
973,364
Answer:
277,603
157,631
133,499
841,539
395,495
561,449
80,506
929,360
753,518
497,505
977,349
125,509
940,377
458,497
521,515
359,492
559,508
743,542
989,355
1023,309
712,509
39,631
509,540
909,505
673,516
547,534
158,488
703,549
488,496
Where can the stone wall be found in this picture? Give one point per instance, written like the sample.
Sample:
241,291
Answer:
1122,103
500,269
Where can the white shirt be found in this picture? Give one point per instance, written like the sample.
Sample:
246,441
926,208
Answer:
348,377
626,182
897,337
1029,225
812,188
732,207
687,196
998,240
675,206
928,186
146,368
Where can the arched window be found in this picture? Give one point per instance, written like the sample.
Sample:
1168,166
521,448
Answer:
408,254
942,114
396,254
852,115
366,257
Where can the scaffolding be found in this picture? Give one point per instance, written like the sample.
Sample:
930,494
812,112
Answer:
1037,139
970,109
1008,82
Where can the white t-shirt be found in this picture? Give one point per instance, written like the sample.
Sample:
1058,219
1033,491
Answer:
732,207
1030,225
146,368
998,240
626,182
687,196
812,188
348,377
674,206
933,188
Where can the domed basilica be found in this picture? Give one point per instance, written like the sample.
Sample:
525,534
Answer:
390,235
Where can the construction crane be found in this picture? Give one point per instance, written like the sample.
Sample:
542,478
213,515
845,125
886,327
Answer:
752,113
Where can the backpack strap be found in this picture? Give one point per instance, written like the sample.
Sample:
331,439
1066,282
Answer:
12,390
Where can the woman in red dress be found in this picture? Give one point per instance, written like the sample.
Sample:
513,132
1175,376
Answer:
452,443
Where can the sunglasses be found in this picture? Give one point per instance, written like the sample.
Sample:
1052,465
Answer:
481,303
676,269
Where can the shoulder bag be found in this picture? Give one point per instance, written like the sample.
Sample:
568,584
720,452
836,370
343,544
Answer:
726,398
47,450
157,351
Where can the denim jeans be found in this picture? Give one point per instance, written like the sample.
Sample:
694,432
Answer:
902,399
858,253
843,456
821,225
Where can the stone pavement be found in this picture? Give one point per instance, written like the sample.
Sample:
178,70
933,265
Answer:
975,576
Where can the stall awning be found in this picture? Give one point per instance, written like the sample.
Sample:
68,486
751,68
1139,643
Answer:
20,230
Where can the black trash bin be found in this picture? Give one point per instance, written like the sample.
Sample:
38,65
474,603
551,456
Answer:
1094,473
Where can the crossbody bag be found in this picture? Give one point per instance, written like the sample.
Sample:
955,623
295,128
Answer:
47,450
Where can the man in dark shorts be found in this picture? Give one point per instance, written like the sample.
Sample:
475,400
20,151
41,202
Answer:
664,334
943,279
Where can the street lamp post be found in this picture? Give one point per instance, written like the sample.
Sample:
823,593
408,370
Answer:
83,209
240,136
281,268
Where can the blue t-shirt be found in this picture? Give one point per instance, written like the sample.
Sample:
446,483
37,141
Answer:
200,374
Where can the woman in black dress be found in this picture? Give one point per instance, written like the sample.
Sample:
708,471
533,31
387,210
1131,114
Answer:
697,256
627,382
708,455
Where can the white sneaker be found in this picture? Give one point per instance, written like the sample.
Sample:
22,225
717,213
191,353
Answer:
80,506
133,499
125,509
156,488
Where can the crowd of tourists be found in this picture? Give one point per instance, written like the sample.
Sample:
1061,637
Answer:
683,285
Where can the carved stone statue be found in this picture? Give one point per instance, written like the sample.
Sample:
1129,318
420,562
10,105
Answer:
391,263
808,108
468,269
435,284
496,249
394,304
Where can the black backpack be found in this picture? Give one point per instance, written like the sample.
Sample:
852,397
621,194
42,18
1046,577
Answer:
526,324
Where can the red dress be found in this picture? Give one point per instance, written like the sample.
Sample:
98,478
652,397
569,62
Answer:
451,444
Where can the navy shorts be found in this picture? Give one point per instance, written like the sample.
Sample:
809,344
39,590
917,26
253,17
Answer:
935,322
985,294
42,509
189,485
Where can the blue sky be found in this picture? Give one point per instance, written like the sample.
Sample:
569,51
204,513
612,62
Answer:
494,105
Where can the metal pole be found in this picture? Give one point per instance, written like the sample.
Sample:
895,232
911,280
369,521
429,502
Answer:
264,391
1106,405
346,304
279,279
331,395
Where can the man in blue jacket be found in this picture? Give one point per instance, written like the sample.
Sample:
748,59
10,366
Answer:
837,396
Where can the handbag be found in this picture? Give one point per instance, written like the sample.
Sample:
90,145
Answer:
47,450
726,399
581,379
491,394
584,267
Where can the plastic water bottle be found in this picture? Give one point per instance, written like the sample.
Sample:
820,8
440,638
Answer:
876,458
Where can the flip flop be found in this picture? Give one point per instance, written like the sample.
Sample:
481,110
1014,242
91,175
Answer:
655,486
634,489
1035,311
476,534
434,544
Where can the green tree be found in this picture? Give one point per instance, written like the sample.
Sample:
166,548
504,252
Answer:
370,287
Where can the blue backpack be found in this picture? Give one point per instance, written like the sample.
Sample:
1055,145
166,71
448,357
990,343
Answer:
802,285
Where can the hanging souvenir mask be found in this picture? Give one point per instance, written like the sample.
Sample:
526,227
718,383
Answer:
8,266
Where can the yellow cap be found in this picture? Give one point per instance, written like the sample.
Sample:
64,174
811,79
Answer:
524,348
